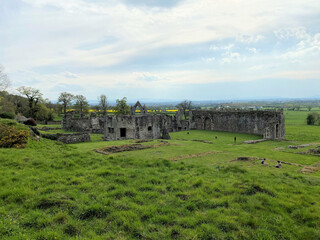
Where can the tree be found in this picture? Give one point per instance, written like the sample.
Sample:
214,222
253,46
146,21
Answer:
4,80
66,99
34,97
81,103
313,118
185,106
103,104
42,113
309,108
122,107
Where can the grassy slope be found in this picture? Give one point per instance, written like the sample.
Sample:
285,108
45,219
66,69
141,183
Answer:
56,191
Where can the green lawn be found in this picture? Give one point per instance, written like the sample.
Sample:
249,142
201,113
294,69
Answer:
185,190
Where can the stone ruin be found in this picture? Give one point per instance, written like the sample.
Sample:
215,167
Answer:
267,123
137,126
92,124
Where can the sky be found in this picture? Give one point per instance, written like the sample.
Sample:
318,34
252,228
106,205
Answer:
163,50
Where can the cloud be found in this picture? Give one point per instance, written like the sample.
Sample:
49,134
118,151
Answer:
125,44
70,75
153,3
296,32
146,76
252,50
208,60
230,57
250,38
307,47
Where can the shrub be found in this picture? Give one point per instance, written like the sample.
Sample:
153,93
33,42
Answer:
30,122
7,115
313,118
10,137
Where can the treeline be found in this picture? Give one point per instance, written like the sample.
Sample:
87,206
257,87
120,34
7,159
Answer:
31,104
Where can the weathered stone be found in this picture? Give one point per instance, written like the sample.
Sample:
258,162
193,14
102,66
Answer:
68,138
148,126
254,141
299,146
269,124
92,123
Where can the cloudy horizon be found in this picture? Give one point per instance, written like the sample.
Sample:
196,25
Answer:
178,49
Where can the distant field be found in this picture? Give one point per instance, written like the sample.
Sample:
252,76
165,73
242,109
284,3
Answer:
190,188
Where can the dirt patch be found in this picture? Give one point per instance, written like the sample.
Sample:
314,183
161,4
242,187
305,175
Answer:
128,147
310,169
202,154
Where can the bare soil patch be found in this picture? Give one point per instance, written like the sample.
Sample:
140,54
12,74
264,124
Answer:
128,147
310,169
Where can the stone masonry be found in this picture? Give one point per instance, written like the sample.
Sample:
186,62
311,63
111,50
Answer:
269,124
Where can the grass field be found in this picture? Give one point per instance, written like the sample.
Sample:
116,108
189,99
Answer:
185,189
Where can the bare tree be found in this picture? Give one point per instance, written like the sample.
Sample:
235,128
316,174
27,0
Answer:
185,106
103,104
81,103
33,95
66,99
4,80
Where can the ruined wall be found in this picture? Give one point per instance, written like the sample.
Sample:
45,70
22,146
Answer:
68,138
149,126
177,124
269,124
92,123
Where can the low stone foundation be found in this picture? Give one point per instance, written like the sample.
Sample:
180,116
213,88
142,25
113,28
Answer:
69,138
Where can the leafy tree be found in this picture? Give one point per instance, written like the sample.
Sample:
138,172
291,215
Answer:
81,104
66,99
34,96
122,107
309,108
313,118
42,113
4,80
103,104
185,106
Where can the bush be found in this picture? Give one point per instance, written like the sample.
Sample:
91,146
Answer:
10,137
7,115
30,122
313,118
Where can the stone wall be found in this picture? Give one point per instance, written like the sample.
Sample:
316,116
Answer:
92,123
69,138
149,126
269,124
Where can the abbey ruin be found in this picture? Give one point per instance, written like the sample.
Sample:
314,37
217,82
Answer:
267,123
